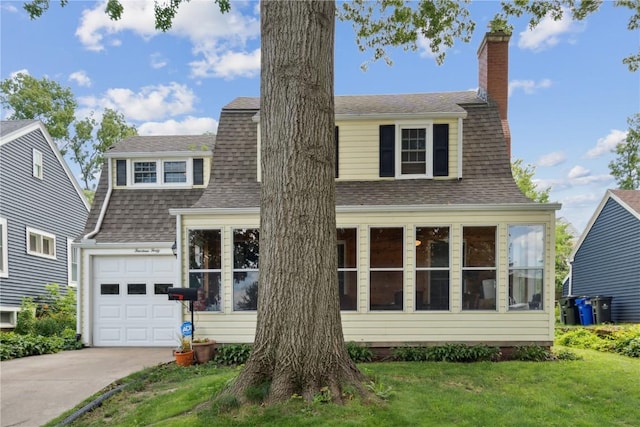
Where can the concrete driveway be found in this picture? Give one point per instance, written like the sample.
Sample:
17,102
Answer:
36,389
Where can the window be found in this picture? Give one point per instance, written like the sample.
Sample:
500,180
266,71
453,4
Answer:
161,288
386,268
109,289
136,288
41,244
432,268
4,256
175,172
526,267
144,172
348,268
479,268
245,269
414,150
37,164
72,263
205,264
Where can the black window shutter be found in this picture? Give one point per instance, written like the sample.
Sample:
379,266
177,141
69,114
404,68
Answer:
198,171
387,150
121,172
337,150
441,150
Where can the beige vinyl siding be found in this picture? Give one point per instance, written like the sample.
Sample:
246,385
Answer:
359,154
499,327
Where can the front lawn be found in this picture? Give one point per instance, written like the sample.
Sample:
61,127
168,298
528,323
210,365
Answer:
601,389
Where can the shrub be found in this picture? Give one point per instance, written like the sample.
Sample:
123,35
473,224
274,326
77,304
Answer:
359,353
233,354
624,340
447,353
532,353
26,320
13,346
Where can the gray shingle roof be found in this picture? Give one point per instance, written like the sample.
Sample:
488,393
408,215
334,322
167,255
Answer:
10,126
630,197
139,215
486,166
164,143
414,103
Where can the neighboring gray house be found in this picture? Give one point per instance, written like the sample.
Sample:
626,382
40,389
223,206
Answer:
606,260
42,209
126,255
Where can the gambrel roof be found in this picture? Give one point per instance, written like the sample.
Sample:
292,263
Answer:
486,165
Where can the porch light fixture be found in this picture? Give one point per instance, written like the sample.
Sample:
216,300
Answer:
174,249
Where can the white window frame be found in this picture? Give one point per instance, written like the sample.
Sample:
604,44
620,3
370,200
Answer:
72,266
464,269
38,164
41,235
427,125
447,269
352,269
13,314
4,260
391,269
541,268
159,172
209,270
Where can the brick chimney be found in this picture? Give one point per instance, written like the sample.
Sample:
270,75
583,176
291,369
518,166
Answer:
493,75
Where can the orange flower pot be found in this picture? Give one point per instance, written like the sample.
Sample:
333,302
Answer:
184,358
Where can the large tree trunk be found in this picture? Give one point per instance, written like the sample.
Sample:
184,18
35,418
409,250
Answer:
299,345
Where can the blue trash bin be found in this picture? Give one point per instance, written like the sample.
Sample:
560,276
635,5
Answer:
585,310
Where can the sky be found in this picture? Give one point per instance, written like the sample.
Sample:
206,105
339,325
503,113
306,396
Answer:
569,93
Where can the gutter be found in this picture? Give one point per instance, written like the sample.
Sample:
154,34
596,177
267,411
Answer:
103,209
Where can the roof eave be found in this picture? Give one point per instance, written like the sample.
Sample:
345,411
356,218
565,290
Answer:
157,154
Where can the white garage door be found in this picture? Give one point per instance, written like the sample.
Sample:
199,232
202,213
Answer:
130,304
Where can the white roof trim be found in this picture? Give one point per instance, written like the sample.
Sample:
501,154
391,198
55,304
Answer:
157,154
391,208
393,116
38,125
608,195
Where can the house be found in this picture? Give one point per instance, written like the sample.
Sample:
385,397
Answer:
435,243
606,260
42,209
126,248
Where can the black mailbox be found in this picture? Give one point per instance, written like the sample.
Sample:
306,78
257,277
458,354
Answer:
183,294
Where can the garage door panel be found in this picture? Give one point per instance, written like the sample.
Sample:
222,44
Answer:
137,315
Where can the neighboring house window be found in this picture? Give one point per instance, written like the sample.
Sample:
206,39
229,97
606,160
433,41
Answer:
40,243
526,267
479,268
348,268
205,268
175,172
386,268
4,256
433,265
38,169
144,173
414,150
245,269
72,261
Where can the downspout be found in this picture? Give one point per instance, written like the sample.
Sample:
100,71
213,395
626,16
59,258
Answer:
103,210
459,148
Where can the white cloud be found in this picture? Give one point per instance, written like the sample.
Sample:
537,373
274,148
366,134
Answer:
150,103
81,78
551,159
219,40
189,126
228,65
423,47
15,73
547,33
529,87
580,200
157,60
578,172
607,144
8,7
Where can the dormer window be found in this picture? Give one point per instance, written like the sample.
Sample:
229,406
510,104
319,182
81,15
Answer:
413,151
154,173
144,172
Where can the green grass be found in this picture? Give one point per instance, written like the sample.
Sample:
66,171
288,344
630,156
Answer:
601,389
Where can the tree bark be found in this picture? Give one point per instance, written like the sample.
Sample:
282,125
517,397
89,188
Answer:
299,345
